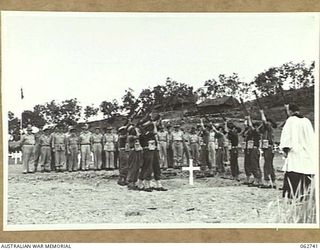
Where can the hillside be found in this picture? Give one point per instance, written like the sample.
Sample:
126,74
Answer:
273,107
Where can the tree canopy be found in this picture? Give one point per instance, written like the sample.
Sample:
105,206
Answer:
168,94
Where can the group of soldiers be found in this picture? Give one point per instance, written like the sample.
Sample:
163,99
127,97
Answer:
141,150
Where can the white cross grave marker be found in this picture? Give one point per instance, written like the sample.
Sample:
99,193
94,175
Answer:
191,168
16,156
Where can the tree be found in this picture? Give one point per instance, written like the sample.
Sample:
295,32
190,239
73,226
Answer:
213,87
147,100
68,112
298,75
13,126
129,102
294,75
90,111
50,111
109,109
33,118
267,82
177,89
225,86
159,92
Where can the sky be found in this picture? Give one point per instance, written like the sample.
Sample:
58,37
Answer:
97,56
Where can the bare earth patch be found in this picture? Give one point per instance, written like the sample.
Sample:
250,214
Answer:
95,197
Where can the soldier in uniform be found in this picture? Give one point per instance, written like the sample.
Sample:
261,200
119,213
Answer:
150,157
53,167
177,146
247,167
96,147
67,135
267,146
186,148
208,151
233,137
169,149
27,144
45,149
163,144
253,152
85,148
203,136
225,148
59,148
212,145
123,149
116,150
73,148
194,146
37,150
109,143
219,135
135,158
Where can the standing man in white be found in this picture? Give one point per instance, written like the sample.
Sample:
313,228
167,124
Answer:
298,143
27,144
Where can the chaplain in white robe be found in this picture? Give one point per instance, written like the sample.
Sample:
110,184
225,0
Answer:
298,143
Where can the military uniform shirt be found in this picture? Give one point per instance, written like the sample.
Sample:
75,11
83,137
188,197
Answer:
58,141
45,140
122,140
185,138
220,138
194,138
110,138
267,133
255,136
96,138
177,136
85,138
28,139
212,136
234,138
73,141
37,137
163,136
145,138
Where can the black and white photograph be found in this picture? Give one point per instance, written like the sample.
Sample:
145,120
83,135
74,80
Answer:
160,120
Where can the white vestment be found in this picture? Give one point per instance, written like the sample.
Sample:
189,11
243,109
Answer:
298,135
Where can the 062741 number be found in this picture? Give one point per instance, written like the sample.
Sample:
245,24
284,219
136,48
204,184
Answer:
308,245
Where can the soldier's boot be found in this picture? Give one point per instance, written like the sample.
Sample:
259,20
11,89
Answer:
147,186
159,186
132,186
140,185
125,181
121,181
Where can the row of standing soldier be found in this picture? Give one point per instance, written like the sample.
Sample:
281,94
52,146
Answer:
209,146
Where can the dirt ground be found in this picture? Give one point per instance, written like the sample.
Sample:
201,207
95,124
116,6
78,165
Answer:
95,197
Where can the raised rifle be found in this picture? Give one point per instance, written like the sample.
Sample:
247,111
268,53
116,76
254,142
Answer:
244,109
223,117
285,103
282,94
257,99
283,97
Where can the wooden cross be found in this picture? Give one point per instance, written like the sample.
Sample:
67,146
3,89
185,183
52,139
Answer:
16,156
191,168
